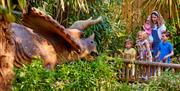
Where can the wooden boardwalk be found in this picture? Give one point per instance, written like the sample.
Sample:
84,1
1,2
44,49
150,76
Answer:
144,70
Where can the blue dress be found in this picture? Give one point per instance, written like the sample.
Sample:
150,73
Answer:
156,41
156,34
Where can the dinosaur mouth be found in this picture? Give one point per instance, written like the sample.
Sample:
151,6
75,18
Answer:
93,53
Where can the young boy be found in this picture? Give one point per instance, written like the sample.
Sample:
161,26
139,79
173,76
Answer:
165,49
130,54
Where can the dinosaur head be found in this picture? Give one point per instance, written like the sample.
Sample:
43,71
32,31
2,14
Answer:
90,50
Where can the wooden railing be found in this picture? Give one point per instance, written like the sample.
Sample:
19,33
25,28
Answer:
144,70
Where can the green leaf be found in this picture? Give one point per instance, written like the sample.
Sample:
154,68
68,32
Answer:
22,4
10,17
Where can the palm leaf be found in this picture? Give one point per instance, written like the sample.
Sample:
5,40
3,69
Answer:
6,9
169,9
22,4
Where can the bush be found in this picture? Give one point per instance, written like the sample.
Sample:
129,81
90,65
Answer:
80,75
33,77
167,82
101,75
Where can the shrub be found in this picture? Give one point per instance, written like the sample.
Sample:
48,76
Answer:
167,82
80,75
33,77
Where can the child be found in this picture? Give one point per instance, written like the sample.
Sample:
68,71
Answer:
165,49
148,29
130,54
147,26
143,47
144,51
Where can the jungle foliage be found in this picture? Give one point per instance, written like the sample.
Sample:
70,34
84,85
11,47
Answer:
101,74
122,18
80,75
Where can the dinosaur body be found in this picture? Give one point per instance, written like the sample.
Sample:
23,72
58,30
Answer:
52,49
41,35
28,44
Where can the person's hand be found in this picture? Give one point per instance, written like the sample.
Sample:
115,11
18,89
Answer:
156,57
165,58
138,57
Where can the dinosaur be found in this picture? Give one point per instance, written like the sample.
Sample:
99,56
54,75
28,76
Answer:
40,35
7,53
43,36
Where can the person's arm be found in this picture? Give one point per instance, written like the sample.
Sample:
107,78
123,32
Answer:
149,51
163,28
157,56
158,53
171,53
133,54
123,54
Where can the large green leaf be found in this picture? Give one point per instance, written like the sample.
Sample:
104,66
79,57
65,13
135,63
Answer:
168,8
6,8
22,4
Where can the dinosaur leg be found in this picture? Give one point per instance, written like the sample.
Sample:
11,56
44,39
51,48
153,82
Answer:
83,24
48,54
6,56
6,72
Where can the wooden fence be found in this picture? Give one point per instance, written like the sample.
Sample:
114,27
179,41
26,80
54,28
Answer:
144,70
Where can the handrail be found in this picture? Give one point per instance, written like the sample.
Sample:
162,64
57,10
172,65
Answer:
144,70
176,66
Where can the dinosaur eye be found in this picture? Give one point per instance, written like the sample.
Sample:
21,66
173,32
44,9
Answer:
92,42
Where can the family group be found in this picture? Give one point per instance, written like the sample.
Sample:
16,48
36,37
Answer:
152,43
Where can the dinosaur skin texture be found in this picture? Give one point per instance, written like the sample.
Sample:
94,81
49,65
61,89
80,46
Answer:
7,53
40,35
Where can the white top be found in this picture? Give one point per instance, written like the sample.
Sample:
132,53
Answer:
150,38
161,29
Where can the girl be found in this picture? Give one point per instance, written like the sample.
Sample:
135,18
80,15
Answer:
148,29
158,26
143,47
147,26
144,51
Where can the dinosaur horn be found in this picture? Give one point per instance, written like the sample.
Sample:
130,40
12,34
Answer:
92,36
83,24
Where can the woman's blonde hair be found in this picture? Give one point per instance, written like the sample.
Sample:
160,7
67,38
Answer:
160,19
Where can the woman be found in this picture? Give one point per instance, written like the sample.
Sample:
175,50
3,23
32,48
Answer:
158,26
